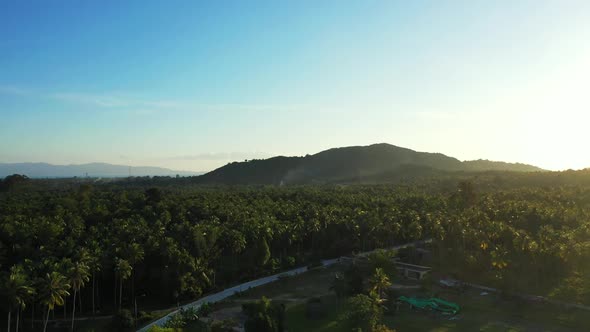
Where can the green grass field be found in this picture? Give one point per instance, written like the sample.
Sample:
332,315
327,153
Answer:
488,313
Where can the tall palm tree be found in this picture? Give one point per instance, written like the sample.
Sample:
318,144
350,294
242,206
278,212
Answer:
84,256
123,270
18,291
380,282
79,275
135,255
94,263
54,289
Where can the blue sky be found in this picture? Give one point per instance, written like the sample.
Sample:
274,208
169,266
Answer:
192,84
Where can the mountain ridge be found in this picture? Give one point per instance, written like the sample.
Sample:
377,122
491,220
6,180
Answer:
350,164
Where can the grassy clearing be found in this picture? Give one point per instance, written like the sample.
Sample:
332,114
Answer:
485,315
297,320
489,313
313,283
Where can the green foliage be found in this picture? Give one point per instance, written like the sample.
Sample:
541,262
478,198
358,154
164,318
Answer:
79,275
354,278
520,232
123,319
574,288
263,252
175,321
226,325
363,313
384,260
156,328
123,269
53,290
182,318
17,288
382,328
426,284
204,310
290,261
264,316
13,181
379,282
145,317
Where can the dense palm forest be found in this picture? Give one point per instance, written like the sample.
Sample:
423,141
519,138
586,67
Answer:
74,247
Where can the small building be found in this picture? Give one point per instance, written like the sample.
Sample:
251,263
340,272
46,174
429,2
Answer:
411,271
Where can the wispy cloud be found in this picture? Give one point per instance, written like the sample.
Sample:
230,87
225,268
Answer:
13,90
97,100
149,106
113,100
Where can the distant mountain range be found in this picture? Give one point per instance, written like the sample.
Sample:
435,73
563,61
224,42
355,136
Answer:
44,170
365,164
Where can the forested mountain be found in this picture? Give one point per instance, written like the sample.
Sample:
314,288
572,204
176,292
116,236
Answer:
44,170
374,163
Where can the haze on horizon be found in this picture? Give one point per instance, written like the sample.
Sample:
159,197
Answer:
192,85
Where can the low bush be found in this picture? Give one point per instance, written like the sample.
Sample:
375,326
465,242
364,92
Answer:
226,325
145,317
204,310
123,319
175,321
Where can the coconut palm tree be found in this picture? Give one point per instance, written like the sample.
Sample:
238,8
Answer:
380,282
18,291
94,263
79,275
54,289
123,270
135,255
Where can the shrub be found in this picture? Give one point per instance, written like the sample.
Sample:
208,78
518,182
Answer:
363,312
264,316
123,319
181,318
383,259
190,314
204,310
175,321
145,317
157,328
354,278
275,264
226,325
382,328
290,261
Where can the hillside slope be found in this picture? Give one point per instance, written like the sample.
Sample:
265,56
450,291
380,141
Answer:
373,163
